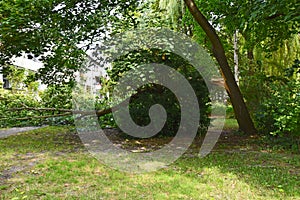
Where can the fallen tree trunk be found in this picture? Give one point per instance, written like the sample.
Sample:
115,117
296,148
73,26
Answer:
66,112
99,113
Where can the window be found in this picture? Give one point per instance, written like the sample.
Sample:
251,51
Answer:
6,83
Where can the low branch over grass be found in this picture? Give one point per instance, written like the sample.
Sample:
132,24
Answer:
66,112
82,113
44,117
99,113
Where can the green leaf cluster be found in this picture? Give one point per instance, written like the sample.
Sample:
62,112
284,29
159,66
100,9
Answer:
280,113
57,32
152,94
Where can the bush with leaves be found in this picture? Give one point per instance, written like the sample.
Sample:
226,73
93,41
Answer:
10,101
23,93
24,108
152,94
279,114
58,97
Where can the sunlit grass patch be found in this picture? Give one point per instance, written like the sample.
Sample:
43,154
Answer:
228,124
44,139
62,169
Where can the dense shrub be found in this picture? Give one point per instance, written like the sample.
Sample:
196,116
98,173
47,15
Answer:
53,97
155,94
10,101
57,96
279,114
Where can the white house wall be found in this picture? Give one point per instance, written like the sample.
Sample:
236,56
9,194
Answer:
27,63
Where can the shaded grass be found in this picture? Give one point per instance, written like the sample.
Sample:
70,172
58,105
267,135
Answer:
55,166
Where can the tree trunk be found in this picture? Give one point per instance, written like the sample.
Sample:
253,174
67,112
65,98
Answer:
236,57
239,106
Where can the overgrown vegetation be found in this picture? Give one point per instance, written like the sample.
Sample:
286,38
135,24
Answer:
257,40
266,44
24,105
280,112
155,94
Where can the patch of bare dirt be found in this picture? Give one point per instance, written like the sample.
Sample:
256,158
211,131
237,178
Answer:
24,163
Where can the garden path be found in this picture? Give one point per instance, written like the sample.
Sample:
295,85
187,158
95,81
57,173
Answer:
15,130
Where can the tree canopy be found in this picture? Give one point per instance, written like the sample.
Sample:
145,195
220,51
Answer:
57,32
60,32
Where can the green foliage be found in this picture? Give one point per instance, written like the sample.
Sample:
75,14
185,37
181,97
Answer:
57,96
230,112
21,79
173,11
280,113
14,106
262,23
106,121
154,94
23,92
53,30
11,100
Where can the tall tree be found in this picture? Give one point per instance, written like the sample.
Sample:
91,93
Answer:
265,28
241,111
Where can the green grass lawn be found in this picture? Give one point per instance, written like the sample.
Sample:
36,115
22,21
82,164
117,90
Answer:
51,163
229,124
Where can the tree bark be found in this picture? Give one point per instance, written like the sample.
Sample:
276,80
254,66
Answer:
236,57
240,109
